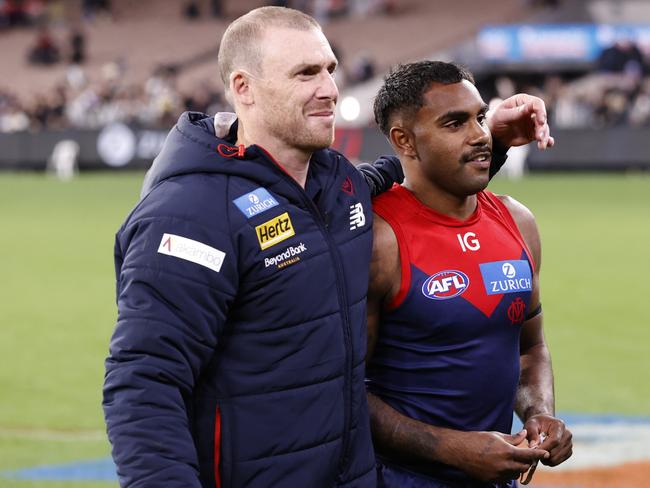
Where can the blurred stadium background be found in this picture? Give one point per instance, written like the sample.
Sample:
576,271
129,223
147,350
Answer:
89,89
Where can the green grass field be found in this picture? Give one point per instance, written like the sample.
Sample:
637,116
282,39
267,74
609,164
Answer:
57,302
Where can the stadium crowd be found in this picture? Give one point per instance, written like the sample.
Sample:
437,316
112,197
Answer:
596,100
78,103
88,100
616,93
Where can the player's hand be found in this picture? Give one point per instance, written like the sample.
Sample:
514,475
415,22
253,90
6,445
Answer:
519,120
492,456
557,441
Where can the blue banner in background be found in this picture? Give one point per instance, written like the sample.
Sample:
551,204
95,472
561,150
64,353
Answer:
525,43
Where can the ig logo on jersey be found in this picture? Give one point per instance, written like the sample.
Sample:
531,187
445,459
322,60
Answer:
445,284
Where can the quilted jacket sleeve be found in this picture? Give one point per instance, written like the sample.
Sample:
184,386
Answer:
177,276
382,174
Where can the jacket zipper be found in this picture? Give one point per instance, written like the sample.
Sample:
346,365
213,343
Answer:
343,303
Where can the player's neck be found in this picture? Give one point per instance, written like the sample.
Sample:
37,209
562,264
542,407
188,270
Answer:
293,160
440,200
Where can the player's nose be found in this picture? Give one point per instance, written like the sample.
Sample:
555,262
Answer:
327,88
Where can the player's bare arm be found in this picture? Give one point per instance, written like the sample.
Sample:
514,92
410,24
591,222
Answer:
385,276
535,402
488,456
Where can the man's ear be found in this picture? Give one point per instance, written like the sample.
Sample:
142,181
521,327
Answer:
240,88
403,141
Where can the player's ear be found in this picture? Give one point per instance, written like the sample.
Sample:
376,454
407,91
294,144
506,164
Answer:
240,87
403,141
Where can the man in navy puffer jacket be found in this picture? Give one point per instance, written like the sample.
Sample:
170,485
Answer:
238,355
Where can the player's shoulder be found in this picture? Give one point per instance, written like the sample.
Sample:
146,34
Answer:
525,221
385,247
196,197
521,214
385,263
384,237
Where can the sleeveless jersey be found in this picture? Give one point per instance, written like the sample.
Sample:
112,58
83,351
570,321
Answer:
447,351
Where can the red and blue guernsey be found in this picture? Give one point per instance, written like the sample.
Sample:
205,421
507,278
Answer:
448,347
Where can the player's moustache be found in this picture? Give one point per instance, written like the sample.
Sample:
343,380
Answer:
477,152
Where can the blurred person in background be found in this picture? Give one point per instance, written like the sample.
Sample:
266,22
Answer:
45,50
13,117
238,354
77,46
93,8
448,331
623,56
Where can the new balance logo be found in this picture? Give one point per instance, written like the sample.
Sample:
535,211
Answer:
357,217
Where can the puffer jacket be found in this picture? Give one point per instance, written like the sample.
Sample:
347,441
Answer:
238,355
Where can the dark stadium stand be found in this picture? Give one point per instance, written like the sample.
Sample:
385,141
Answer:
146,61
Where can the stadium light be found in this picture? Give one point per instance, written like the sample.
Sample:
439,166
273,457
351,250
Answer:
350,108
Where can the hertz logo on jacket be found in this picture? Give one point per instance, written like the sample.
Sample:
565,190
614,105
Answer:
274,231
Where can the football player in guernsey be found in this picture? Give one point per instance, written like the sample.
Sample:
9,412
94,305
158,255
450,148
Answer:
455,322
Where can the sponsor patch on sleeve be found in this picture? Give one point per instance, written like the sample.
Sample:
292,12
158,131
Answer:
506,277
255,202
191,250
274,231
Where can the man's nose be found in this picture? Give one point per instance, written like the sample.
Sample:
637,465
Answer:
327,88
480,134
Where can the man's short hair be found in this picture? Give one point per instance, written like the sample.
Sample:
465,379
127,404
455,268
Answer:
241,45
404,88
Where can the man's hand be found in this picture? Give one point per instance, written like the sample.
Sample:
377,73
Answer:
558,441
492,456
519,120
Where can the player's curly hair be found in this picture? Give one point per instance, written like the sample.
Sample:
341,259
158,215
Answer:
404,87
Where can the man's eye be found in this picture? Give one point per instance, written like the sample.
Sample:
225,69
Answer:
482,119
454,124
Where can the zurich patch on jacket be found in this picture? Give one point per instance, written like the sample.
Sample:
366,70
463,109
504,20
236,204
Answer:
238,355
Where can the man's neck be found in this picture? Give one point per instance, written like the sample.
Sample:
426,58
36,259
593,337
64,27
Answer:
294,161
434,197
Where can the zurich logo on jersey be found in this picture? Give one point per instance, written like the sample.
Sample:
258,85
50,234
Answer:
502,277
445,284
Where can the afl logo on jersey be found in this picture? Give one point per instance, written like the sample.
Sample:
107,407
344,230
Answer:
445,284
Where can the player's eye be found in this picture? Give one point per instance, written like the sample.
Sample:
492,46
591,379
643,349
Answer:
310,71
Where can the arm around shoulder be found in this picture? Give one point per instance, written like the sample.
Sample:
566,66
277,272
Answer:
382,174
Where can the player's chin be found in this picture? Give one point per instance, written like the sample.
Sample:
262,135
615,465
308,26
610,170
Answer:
478,180
318,140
